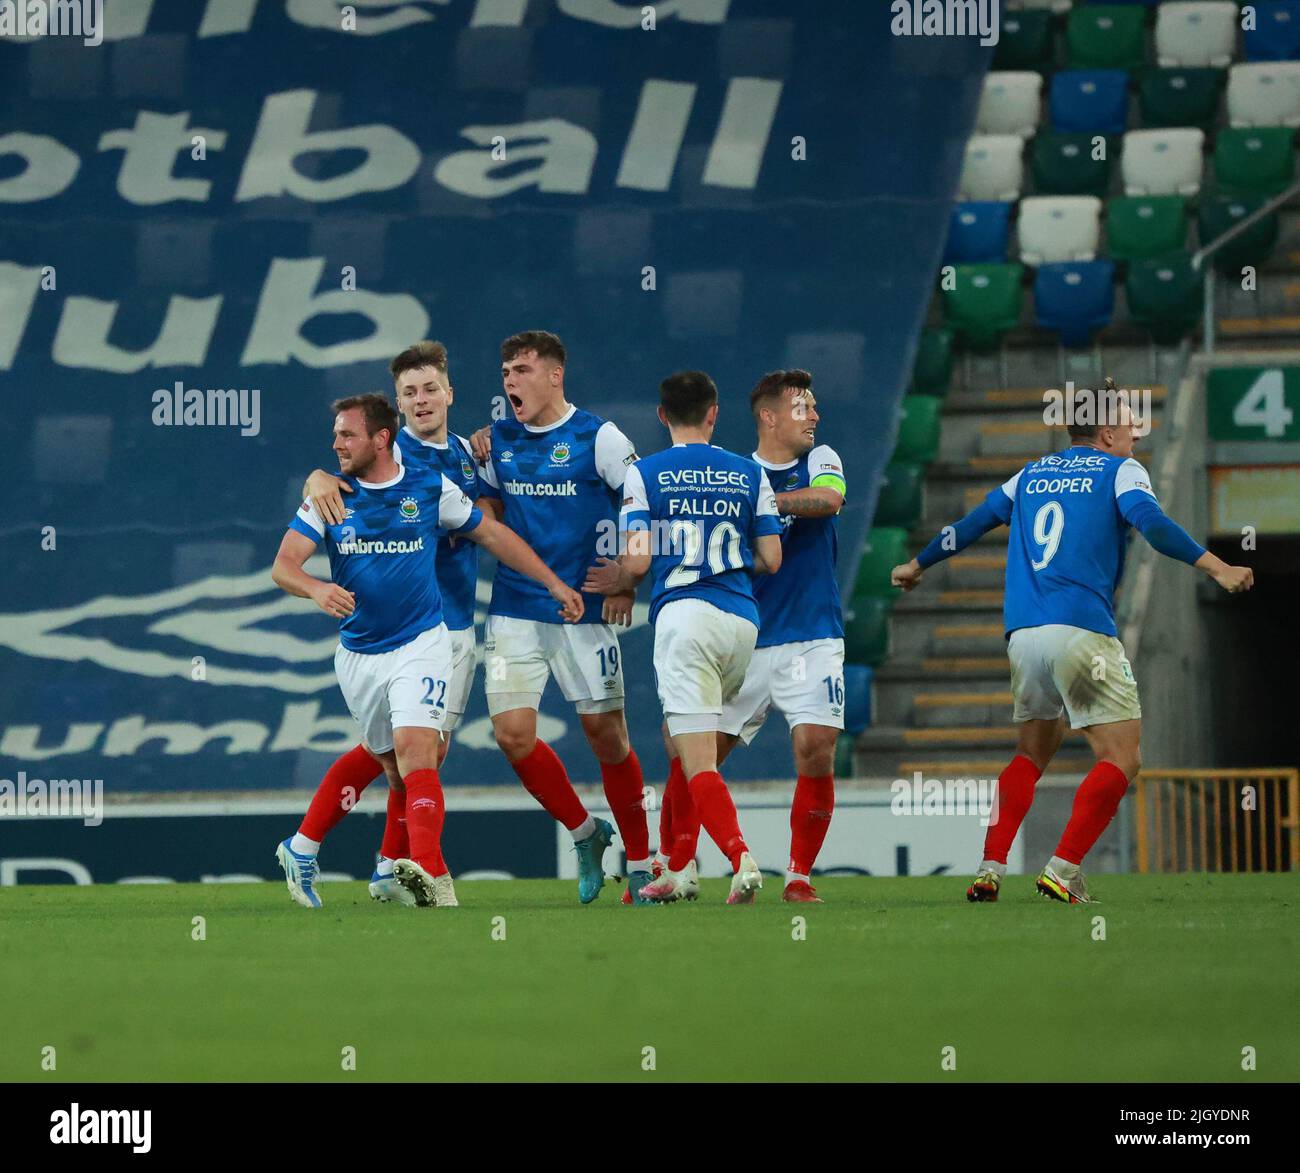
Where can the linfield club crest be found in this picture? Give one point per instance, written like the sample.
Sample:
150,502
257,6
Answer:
409,509
466,469
560,453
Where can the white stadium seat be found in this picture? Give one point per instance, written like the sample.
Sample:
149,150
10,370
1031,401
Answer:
1057,6
1196,33
1010,103
1163,162
1264,93
1058,228
994,168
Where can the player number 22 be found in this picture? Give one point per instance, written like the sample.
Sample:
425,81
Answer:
429,685
724,551
1049,521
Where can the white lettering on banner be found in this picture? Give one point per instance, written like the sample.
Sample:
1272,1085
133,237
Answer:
391,546
702,476
541,489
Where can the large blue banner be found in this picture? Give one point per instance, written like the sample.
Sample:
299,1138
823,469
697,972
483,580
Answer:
229,213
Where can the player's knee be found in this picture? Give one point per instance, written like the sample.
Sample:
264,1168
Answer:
607,736
814,750
514,741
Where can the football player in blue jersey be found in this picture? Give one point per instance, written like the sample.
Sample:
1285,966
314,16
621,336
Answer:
394,657
424,398
702,521
558,471
1069,514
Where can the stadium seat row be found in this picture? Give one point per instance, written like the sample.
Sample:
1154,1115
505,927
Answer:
1097,100
1164,161
1075,299
1052,229
1187,32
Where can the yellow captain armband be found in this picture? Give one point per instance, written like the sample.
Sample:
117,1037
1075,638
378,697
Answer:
828,480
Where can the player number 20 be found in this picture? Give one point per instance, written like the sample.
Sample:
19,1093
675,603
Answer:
1049,521
724,551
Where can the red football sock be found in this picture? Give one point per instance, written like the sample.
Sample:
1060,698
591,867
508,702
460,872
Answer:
686,820
810,819
396,844
666,808
425,814
1015,793
338,792
544,777
625,793
1095,804
718,814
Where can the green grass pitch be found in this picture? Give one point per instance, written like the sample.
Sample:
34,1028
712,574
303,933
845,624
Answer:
1192,969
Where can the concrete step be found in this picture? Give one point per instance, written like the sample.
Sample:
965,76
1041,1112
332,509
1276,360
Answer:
982,751
920,635
930,670
1010,400
942,705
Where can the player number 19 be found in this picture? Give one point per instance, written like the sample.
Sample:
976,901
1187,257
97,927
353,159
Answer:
1049,521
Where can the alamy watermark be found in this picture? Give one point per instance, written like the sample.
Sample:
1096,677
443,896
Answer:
1107,407
28,19
945,796
35,798
216,407
947,18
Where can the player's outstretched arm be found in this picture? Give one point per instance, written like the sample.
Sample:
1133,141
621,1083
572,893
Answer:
1233,579
767,554
993,511
287,573
324,491
620,576
1142,511
508,547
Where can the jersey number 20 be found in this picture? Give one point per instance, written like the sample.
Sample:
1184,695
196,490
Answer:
724,551
1049,521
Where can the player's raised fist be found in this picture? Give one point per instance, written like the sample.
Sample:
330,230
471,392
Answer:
906,576
334,600
571,604
1235,579
325,493
480,443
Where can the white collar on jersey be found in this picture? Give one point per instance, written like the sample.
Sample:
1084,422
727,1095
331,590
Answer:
564,419
401,472
427,443
775,467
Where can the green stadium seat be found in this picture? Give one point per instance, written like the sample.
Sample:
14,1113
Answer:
1165,294
918,432
932,368
1220,213
885,548
866,630
901,495
1181,97
1145,226
1025,41
1106,36
844,755
1258,160
984,302
1063,164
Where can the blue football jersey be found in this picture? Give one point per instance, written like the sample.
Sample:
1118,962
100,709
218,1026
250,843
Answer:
801,601
384,552
559,486
704,506
1065,552
456,561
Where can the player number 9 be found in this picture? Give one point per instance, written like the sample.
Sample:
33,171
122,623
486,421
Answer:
1049,521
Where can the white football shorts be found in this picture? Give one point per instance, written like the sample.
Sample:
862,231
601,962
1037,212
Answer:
399,689
701,653
1056,668
519,656
464,659
805,681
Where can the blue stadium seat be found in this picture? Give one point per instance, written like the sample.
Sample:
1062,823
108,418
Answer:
1090,100
977,232
1075,298
857,698
1276,35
